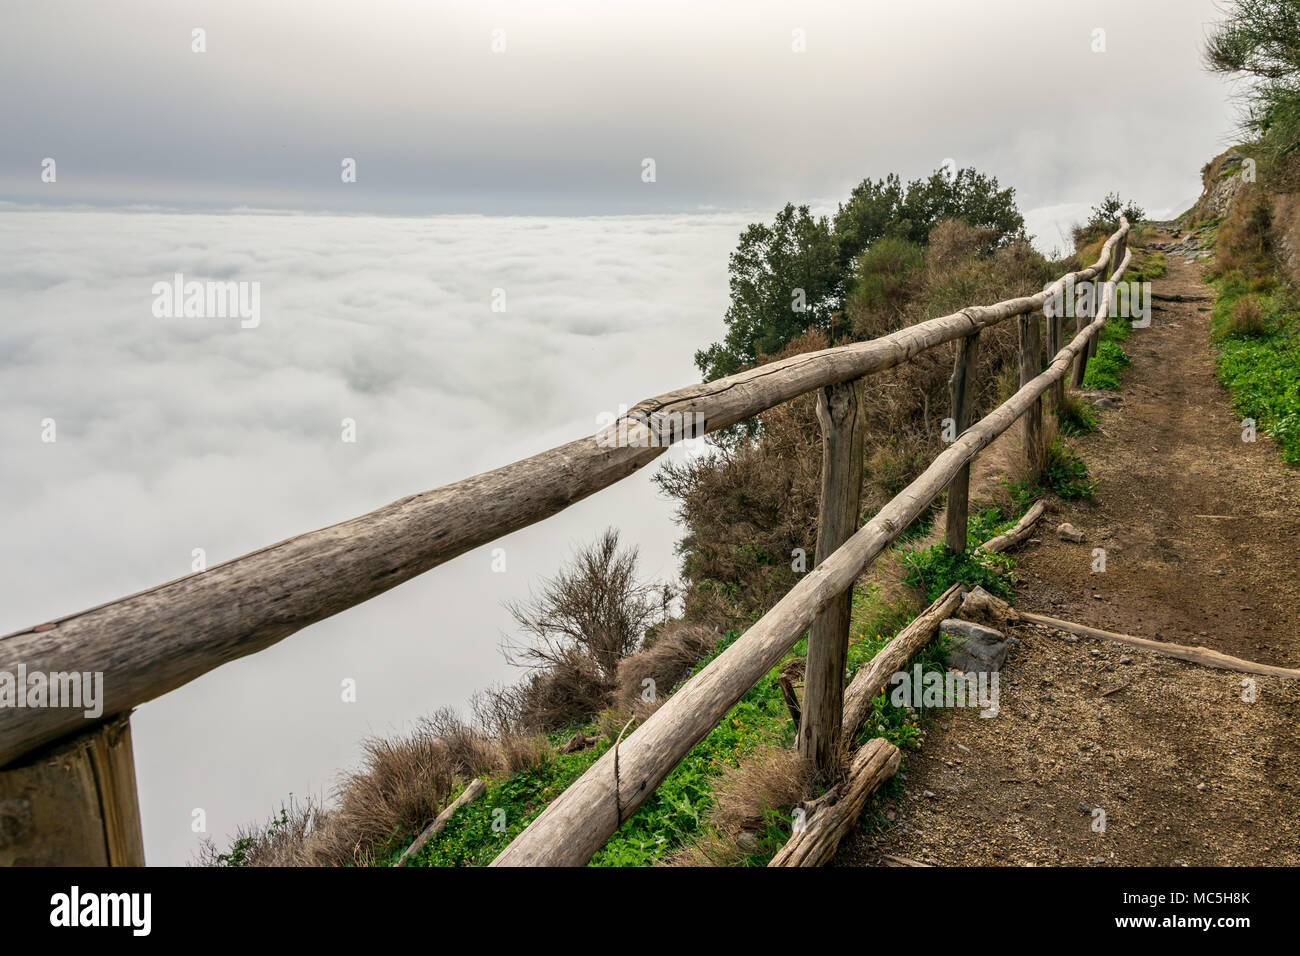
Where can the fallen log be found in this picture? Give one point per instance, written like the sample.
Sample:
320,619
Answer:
578,741
1022,530
1170,297
893,657
831,817
889,859
471,793
1182,652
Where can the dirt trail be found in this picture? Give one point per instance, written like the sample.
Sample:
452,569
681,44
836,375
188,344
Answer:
1202,538
1201,529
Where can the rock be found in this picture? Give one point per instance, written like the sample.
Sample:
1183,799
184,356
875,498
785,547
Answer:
1068,532
973,647
982,607
747,841
1105,403
1125,659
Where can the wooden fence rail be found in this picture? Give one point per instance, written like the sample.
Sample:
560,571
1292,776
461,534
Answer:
578,822
154,641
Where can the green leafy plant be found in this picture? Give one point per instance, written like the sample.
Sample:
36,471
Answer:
1066,474
936,568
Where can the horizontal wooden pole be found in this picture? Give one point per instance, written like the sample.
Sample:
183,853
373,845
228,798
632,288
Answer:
1182,652
156,640
579,821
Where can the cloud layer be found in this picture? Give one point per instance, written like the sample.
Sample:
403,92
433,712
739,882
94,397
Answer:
175,434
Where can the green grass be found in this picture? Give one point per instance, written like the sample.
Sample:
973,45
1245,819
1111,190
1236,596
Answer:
935,569
1066,474
1146,265
1106,368
1261,372
1075,416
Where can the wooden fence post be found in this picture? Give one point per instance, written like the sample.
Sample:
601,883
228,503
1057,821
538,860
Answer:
962,387
73,803
1031,366
839,411
1055,332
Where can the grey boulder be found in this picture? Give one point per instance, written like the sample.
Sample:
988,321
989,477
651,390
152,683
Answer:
973,647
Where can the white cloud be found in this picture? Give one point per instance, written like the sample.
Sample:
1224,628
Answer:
182,433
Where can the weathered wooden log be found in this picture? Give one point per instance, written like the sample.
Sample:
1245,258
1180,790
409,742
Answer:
872,676
578,741
1055,332
962,388
73,803
1182,652
839,412
833,816
1031,423
157,640
791,672
1019,532
578,822
471,793
1170,297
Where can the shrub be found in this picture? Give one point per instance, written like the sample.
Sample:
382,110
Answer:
1104,219
679,648
1247,319
886,280
581,625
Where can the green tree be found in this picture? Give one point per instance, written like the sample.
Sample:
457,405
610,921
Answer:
795,274
1260,41
887,208
1105,217
785,279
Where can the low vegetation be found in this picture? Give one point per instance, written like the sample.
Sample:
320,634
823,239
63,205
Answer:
1257,336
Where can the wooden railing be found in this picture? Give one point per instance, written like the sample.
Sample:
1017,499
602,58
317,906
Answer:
154,641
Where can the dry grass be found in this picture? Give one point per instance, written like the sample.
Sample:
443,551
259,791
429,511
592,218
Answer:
1246,320
1245,237
771,782
403,783
677,649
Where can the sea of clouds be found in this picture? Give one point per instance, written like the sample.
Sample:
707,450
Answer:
183,433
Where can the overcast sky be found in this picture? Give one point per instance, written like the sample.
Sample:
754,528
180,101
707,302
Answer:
561,119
